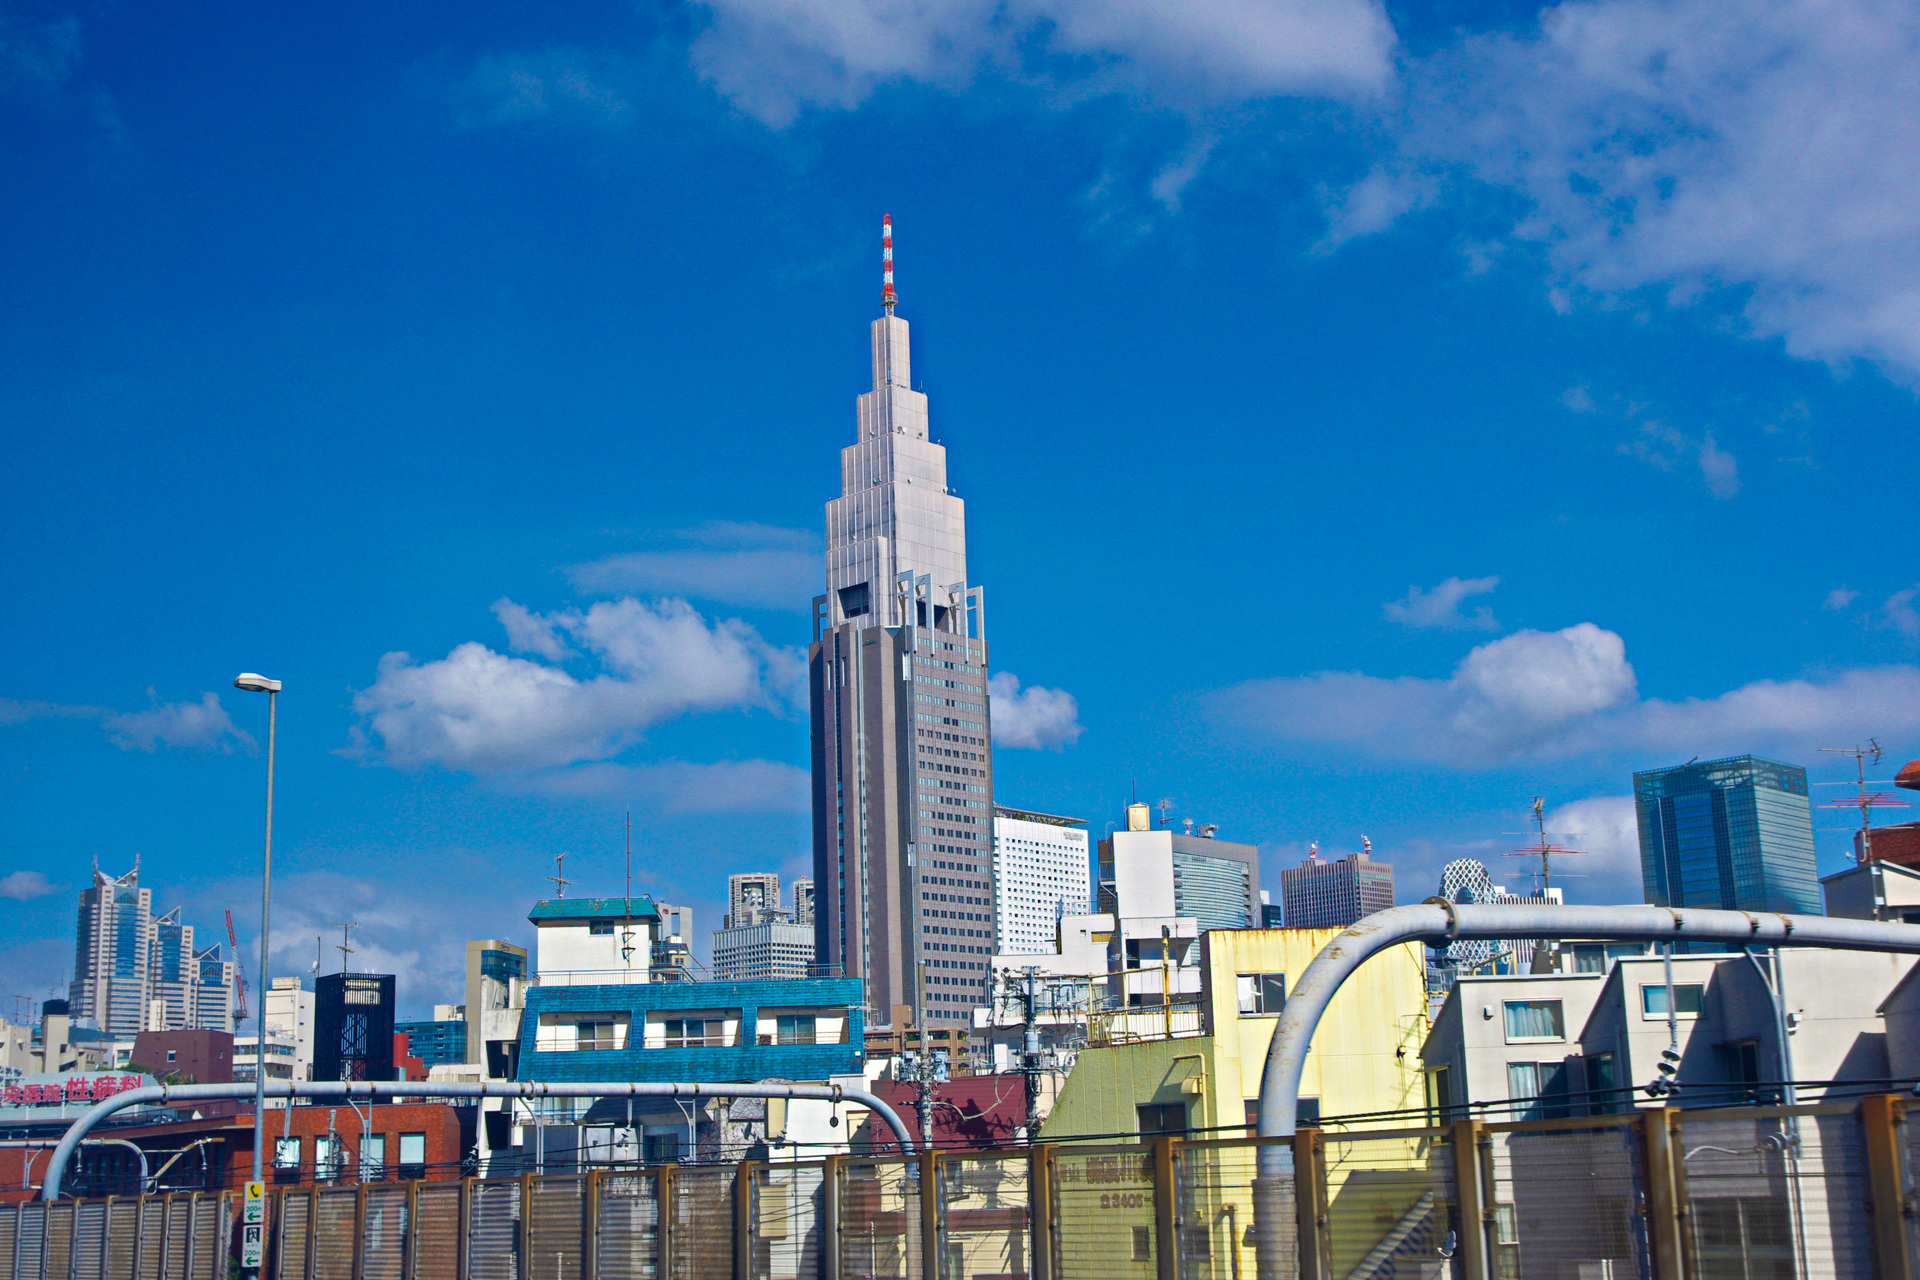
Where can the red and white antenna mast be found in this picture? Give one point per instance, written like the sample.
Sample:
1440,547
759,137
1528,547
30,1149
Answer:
887,298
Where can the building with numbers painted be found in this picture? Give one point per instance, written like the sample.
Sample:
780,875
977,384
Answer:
897,672
1040,874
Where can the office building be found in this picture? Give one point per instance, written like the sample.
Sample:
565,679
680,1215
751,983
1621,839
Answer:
441,1041
290,1018
803,902
1319,894
751,898
1734,834
352,1027
1041,873
113,953
496,975
897,677
776,949
190,987
1212,881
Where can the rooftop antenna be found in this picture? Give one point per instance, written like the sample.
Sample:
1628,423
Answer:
346,947
316,955
559,877
1544,848
887,298
1865,801
626,907
1163,804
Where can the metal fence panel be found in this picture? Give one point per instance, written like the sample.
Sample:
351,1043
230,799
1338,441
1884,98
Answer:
9,1227
628,1245
703,1223
880,1221
493,1232
150,1227
1785,1197
59,1250
1214,1207
179,1211
788,1213
556,1227
290,1235
1391,1203
436,1236
1569,1202
122,1229
89,1239
1104,1211
209,1259
333,1233
383,1234
30,1264
985,1214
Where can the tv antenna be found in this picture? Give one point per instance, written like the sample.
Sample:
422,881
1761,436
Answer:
316,955
1163,804
346,947
1545,849
559,876
626,905
1865,801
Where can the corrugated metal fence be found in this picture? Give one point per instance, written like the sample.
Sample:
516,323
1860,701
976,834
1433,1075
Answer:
1817,1192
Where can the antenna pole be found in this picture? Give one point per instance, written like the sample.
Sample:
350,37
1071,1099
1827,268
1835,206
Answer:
887,298
1864,800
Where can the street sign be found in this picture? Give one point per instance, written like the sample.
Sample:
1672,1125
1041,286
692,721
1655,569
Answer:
253,1239
256,1204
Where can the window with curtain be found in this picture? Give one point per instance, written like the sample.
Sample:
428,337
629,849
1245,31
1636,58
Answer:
1535,1020
794,1028
1262,993
1686,1003
286,1153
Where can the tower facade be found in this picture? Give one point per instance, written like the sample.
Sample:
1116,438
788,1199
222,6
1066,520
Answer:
897,670
1319,894
1733,834
113,954
752,898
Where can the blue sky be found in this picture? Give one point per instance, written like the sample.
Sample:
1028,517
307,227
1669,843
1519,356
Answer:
1369,418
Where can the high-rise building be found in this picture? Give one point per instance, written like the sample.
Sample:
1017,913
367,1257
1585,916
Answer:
751,898
1734,834
1040,873
803,902
1148,871
441,1041
113,954
897,674
1322,894
775,948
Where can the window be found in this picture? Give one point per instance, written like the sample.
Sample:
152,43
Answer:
595,1035
1542,1082
1440,1092
1535,1020
794,1028
325,1158
286,1153
600,928
1686,1004
660,1148
694,1033
173,1055
1262,993
413,1155
1157,1118
373,1157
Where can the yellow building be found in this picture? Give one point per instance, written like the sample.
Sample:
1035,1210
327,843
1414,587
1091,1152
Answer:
1365,1056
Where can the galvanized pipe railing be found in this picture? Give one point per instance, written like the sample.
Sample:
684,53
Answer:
1437,922
165,1095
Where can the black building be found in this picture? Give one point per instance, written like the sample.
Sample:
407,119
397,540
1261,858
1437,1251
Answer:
353,1027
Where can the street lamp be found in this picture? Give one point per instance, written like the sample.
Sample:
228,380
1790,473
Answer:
253,683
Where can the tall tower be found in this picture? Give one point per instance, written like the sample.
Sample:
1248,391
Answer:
902,766
112,955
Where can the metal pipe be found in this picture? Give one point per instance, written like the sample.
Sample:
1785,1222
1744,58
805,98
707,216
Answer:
165,1095
1438,922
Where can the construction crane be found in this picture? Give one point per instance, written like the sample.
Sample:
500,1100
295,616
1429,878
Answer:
239,975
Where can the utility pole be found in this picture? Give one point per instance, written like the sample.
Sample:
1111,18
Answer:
1031,1057
1865,801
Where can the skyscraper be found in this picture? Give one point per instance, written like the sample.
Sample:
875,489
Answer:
752,897
1040,873
113,953
1734,834
803,902
902,768
1319,894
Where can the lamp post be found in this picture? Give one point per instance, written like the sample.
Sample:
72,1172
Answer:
252,683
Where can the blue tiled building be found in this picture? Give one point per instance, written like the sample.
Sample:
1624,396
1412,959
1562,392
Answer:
800,1029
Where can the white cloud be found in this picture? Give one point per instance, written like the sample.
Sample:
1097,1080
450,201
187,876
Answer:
1373,204
37,57
1839,598
1035,717
23,886
1900,613
1440,606
1565,693
759,566
774,58
203,725
564,84
1718,469
485,712
1579,399
528,632
1767,153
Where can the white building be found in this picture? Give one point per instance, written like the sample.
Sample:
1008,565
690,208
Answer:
1040,874
1154,871
753,897
289,1010
777,949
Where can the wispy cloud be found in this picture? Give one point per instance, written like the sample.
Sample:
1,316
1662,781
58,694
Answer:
1439,606
678,786
195,726
484,712
37,56
1839,598
1666,447
1036,718
561,85
24,886
1560,694
1900,614
755,565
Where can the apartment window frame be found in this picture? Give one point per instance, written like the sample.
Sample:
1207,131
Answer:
1687,993
677,1033
796,1028
1520,1014
373,1157
1261,995
412,1164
